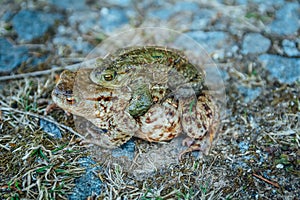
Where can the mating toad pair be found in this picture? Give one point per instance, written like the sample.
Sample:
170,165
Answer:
153,93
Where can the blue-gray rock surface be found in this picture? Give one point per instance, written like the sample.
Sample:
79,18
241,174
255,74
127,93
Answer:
249,94
255,43
211,41
112,18
126,149
290,47
11,56
70,4
286,21
285,70
31,24
51,129
89,183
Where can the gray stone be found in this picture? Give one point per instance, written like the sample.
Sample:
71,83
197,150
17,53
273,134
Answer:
287,20
113,18
257,2
85,21
290,47
70,4
162,14
126,150
265,6
210,41
77,45
31,25
286,70
37,60
202,19
89,183
241,2
51,129
224,74
255,43
249,94
123,3
11,56
185,6
244,146
165,12
145,5
280,166
268,2
7,16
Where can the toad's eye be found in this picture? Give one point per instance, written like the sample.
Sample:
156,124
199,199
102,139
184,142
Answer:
109,75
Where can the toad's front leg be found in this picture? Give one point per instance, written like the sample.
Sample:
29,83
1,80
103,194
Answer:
118,129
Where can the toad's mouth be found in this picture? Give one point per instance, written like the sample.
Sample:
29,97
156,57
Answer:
63,96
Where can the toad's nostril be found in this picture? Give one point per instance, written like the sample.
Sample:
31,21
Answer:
68,92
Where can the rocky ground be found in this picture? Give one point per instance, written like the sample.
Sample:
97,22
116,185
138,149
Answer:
255,45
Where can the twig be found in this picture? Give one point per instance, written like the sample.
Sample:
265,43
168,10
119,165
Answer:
38,73
44,118
266,180
285,133
4,147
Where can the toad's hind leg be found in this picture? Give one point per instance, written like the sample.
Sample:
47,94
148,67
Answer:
160,123
199,122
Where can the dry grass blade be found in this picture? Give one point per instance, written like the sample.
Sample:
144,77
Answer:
45,72
266,180
42,117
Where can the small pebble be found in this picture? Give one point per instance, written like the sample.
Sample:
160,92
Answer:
255,43
279,166
290,47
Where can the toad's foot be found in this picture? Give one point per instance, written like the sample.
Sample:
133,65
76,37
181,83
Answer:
203,145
